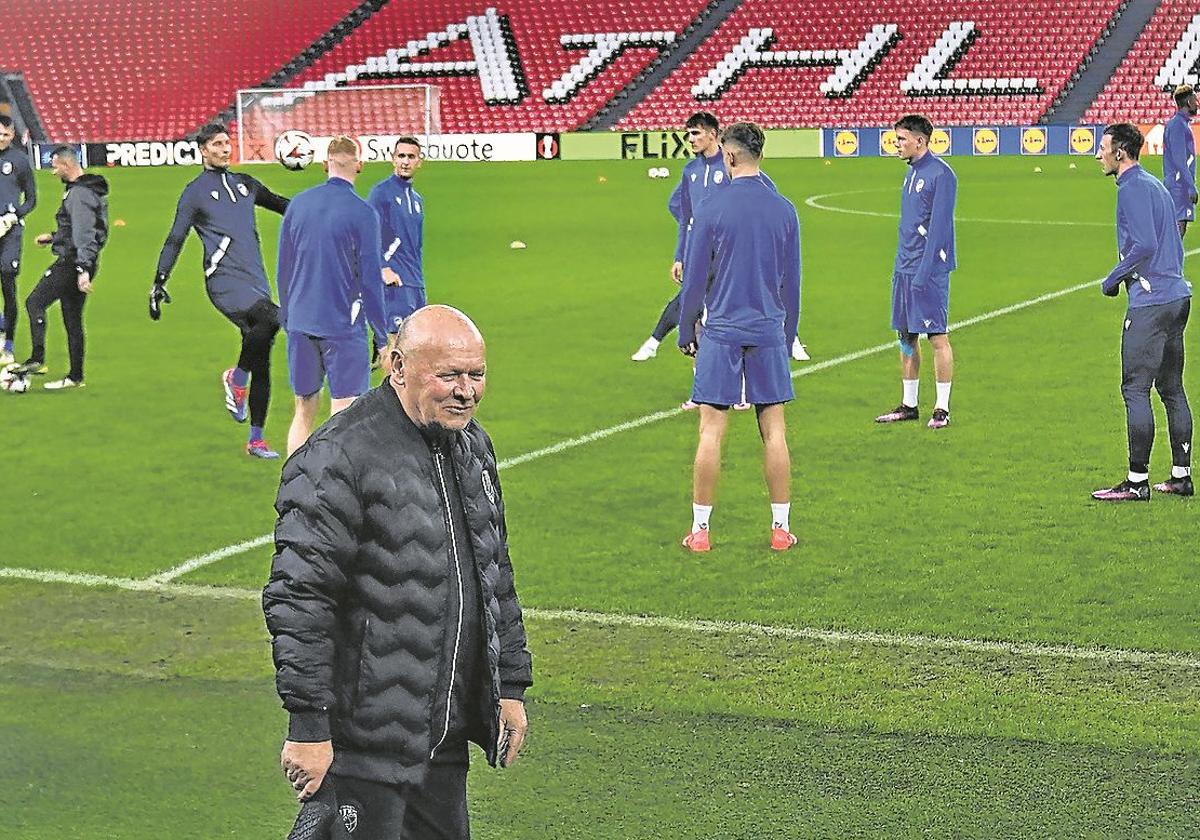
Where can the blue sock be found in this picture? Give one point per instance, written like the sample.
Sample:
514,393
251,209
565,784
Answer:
255,433
240,377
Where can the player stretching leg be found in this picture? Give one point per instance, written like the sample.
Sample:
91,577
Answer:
219,206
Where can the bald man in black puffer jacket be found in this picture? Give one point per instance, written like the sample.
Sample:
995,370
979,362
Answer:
396,628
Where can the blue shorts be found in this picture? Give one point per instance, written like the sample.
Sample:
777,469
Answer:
399,302
345,362
1185,211
722,368
10,249
924,310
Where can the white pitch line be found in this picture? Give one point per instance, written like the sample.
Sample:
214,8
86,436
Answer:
814,201
1026,650
212,557
646,419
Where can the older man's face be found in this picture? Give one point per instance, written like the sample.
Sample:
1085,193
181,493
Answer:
446,382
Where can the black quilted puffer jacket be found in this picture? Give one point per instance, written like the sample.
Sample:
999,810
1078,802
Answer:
360,604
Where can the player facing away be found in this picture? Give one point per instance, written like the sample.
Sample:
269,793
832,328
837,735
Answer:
701,176
747,240
18,196
1151,270
1179,157
329,289
219,206
921,279
401,212
80,231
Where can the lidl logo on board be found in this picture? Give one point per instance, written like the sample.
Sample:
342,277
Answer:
889,145
939,142
1083,140
986,141
845,143
1033,141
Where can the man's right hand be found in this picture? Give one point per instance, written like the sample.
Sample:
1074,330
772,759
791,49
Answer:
677,272
44,239
305,765
158,296
391,278
7,222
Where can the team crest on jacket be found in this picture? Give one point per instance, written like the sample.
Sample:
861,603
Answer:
488,488
216,195
7,167
242,189
349,815
718,177
920,185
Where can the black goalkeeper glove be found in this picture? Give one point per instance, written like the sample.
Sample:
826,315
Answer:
158,296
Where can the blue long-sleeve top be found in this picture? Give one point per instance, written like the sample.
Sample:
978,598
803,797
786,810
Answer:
401,225
220,204
1179,156
1148,244
18,190
329,263
701,177
743,265
926,243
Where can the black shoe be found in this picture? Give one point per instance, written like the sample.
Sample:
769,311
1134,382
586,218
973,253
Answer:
1177,486
899,414
1126,491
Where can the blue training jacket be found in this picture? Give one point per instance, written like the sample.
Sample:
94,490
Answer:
329,273
1148,244
401,212
220,204
1179,157
926,245
743,265
699,179
18,190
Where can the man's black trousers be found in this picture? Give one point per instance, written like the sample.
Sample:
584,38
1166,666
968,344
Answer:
59,283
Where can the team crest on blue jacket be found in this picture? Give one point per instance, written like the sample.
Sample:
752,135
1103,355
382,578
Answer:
242,189
488,488
7,167
718,177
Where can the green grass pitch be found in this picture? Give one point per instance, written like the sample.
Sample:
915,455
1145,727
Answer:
148,714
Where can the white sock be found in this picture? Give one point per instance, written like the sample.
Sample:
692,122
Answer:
1138,477
652,343
943,396
779,515
700,514
910,392
1180,472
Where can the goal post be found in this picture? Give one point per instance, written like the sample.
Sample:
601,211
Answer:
265,113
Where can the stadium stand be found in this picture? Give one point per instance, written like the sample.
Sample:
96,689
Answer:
563,72
90,82
832,63
1164,56
557,65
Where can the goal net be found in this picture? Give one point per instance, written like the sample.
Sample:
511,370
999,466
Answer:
380,110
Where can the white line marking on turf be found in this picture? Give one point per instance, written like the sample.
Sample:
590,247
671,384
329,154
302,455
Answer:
212,557
645,420
814,201
698,626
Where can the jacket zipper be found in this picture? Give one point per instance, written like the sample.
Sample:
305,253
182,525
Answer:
437,462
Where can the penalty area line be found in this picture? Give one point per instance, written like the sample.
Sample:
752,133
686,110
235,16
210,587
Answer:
702,627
